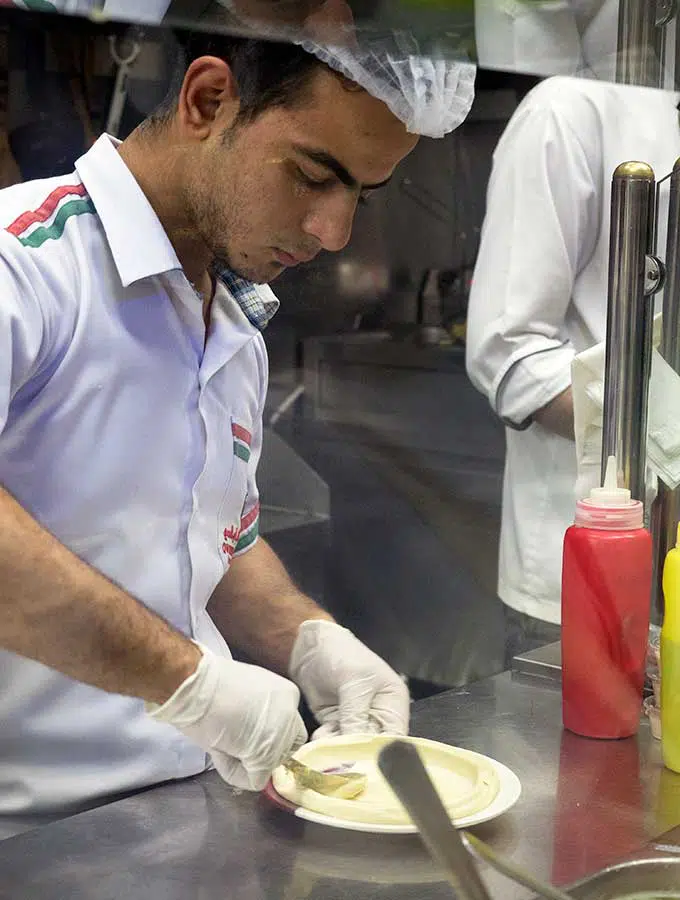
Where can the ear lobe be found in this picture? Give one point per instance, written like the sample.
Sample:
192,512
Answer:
209,97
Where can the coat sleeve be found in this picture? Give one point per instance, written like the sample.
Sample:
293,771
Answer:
542,223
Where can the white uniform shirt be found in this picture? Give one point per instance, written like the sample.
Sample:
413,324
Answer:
130,438
539,296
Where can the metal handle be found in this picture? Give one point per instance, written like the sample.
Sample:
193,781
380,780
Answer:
666,513
403,768
640,43
629,325
510,870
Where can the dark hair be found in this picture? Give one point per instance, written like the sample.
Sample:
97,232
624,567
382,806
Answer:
267,73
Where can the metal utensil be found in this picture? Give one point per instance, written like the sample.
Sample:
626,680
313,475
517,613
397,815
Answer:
482,851
345,786
403,768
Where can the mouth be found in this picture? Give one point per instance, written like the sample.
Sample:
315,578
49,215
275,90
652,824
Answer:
288,259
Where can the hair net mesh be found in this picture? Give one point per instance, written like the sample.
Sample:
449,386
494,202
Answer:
431,96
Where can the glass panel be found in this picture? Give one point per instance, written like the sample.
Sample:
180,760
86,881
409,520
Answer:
538,37
419,466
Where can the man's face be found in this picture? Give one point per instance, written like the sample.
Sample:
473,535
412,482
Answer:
273,193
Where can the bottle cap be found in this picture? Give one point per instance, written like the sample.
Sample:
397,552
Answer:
610,507
610,494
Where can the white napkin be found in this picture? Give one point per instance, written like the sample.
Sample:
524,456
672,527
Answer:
663,426
663,422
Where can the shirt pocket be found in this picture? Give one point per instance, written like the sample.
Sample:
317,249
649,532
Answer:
231,509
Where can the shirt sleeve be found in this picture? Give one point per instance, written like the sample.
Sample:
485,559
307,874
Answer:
250,518
541,228
22,331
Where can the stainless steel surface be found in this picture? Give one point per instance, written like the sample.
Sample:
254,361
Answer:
585,805
676,51
666,10
403,768
639,43
293,494
666,512
501,864
629,326
545,662
655,876
654,274
332,784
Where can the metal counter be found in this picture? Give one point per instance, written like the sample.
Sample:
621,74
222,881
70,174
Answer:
584,804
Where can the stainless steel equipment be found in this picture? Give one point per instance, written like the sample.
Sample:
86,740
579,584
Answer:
660,877
640,42
666,513
502,864
403,768
629,325
585,805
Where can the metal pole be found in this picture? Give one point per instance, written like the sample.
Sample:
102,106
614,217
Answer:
666,513
638,58
629,326
676,61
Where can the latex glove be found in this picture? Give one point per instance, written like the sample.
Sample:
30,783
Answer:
244,716
348,687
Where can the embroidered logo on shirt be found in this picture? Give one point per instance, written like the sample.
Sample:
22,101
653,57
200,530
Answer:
236,540
242,441
230,540
48,221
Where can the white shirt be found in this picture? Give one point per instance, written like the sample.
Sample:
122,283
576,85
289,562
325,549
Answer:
539,295
130,438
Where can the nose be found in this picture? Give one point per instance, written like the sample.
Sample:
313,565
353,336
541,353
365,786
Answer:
330,220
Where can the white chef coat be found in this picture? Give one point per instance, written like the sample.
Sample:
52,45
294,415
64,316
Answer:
150,12
133,440
539,296
538,38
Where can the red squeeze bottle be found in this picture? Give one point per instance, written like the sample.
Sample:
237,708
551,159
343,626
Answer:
606,589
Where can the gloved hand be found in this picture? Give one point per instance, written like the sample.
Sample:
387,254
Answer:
348,687
244,716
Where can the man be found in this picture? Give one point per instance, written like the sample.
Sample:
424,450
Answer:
539,296
132,381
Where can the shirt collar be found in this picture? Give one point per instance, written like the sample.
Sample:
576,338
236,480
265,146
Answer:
138,242
257,301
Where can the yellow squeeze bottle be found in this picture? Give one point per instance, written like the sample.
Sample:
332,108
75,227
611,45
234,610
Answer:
670,660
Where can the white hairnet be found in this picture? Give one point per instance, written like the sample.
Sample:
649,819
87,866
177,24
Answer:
431,96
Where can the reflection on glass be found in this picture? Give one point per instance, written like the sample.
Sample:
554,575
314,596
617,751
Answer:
632,41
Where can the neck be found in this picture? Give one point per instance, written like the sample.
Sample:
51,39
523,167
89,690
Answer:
160,176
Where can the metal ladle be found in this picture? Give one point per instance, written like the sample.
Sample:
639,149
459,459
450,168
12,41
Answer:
482,851
403,768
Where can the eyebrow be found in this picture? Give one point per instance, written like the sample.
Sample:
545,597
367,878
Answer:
336,167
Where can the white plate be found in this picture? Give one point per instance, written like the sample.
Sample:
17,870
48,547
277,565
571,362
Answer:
508,792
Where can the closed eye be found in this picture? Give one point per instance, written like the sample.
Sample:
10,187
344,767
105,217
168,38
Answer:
311,181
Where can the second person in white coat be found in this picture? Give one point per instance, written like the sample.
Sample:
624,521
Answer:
539,296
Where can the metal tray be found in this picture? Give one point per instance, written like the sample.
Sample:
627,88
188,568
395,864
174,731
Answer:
624,879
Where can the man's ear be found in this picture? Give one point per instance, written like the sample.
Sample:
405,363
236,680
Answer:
209,97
